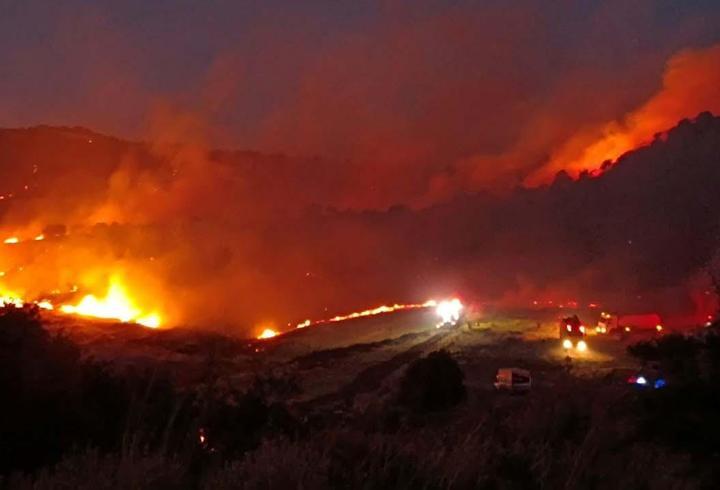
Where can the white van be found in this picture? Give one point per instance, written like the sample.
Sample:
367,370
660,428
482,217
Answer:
513,379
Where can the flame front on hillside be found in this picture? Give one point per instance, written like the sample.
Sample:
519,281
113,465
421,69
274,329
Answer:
116,304
454,306
375,311
267,333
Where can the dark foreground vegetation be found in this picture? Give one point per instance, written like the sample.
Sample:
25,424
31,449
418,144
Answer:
68,423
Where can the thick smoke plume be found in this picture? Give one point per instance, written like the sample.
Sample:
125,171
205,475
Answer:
403,102
222,240
691,84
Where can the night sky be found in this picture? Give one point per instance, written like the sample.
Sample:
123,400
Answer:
394,81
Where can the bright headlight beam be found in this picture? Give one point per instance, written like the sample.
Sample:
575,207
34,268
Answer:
449,311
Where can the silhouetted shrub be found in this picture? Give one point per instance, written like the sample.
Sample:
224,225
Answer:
683,414
51,399
432,383
235,427
274,387
90,470
275,465
676,355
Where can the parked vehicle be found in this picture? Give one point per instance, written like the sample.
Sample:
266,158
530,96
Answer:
513,379
606,323
649,377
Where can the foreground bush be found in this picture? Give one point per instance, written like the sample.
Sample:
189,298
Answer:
93,471
683,415
52,400
432,383
480,456
276,464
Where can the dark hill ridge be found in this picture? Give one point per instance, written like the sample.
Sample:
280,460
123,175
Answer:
647,224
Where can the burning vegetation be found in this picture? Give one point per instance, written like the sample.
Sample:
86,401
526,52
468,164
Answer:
448,312
690,85
116,304
161,233
156,232
26,280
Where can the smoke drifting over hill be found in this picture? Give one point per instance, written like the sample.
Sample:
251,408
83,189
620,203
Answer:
404,101
691,84
400,151
229,239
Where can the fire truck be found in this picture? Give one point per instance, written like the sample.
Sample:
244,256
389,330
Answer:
572,333
621,326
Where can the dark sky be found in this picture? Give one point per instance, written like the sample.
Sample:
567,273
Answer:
419,86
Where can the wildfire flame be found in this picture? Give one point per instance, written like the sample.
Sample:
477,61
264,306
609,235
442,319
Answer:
268,333
7,300
15,239
45,305
116,305
376,311
689,86
444,308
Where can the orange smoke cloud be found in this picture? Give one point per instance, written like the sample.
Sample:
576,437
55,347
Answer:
691,84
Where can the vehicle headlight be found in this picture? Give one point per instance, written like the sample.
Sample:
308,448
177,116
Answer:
567,344
581,346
